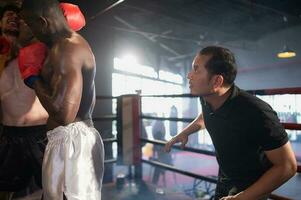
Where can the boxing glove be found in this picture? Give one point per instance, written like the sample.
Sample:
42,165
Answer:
73,15
31,59
5,47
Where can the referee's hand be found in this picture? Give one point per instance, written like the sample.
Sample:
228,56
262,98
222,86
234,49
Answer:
182,138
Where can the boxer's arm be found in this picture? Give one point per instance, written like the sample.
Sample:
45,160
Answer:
61,98
284,167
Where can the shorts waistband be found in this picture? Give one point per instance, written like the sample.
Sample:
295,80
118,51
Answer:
23,130
89,122
62,132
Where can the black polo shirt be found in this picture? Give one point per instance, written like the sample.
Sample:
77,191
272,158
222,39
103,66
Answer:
241,130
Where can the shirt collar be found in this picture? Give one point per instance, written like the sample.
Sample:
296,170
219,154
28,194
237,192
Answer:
224,110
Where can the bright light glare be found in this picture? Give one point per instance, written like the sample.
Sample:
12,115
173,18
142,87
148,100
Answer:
130,64
129,60
168,76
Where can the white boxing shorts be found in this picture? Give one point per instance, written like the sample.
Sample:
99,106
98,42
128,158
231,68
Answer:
73,163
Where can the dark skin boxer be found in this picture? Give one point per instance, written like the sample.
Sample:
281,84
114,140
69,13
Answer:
61,70
66,88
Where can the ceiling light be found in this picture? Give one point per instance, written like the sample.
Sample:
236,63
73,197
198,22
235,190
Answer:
286,53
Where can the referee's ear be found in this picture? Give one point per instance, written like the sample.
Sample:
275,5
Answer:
217,81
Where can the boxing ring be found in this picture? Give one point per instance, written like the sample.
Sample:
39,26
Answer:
129,116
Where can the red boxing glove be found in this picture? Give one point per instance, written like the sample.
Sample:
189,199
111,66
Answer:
73,15
31,59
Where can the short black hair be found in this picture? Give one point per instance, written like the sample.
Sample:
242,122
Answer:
9,7
222,63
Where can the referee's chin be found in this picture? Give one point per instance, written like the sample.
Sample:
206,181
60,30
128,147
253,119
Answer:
194,92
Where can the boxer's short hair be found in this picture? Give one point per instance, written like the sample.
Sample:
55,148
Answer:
9,7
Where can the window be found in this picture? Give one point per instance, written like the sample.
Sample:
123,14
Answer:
288,109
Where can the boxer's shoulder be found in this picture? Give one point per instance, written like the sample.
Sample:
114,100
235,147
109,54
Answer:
75,43
74,48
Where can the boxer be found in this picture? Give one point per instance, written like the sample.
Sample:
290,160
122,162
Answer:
61,70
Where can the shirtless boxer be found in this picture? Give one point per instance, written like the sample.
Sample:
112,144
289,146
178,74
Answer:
22,109
64,83
22,142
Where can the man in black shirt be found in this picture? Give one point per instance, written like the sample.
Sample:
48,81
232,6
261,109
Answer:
252,148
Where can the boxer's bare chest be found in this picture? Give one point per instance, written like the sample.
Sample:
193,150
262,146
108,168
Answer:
10,79
13,90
